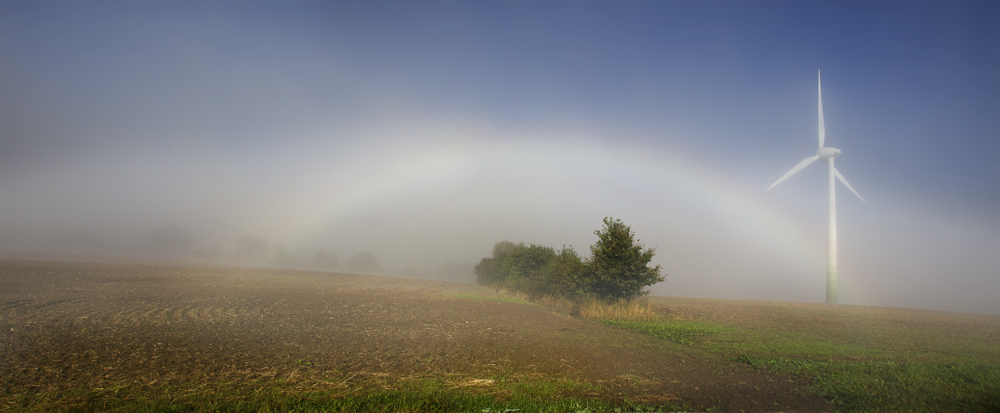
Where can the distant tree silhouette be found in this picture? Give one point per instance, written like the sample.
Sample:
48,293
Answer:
72,240
455,271
252,248
364,263
170,240
280,255
325,261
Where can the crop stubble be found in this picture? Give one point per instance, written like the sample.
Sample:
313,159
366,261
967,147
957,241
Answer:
71,326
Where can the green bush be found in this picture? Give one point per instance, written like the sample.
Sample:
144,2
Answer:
495,270
567,274
517,266
618,267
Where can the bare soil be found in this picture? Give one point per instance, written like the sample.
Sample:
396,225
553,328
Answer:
71,326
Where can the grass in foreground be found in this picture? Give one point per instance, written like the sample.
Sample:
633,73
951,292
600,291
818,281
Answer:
280,400
888,371
502,299
861,367
586,308
887,386
683,332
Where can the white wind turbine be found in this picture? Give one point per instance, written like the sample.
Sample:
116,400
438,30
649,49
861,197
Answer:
826,154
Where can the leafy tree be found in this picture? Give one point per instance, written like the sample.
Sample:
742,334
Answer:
504,248
485,275
527,268
619,265
527,262
490,271
617,269
515,265
364,262
533,269
567,274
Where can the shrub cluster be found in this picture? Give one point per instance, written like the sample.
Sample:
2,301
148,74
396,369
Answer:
618,267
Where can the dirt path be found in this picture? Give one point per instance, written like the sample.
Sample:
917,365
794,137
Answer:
66,326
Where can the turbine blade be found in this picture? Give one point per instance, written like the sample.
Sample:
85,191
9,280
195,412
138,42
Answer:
796,169
841,178
822,126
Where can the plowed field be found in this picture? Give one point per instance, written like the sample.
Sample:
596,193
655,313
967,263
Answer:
71,328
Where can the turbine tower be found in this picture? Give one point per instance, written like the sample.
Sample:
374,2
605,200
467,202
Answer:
827,154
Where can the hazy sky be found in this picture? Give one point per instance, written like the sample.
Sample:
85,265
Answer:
424,132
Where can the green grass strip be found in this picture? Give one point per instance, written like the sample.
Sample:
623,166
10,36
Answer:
887,386
682,332
371,401
502,299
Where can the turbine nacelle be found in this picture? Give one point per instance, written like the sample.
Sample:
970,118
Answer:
828,153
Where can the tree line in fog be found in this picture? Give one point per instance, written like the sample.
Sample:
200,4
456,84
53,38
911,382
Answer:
175,242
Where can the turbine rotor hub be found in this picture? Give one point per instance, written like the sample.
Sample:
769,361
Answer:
828,153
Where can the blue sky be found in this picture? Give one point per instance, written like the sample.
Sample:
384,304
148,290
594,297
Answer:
426,132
